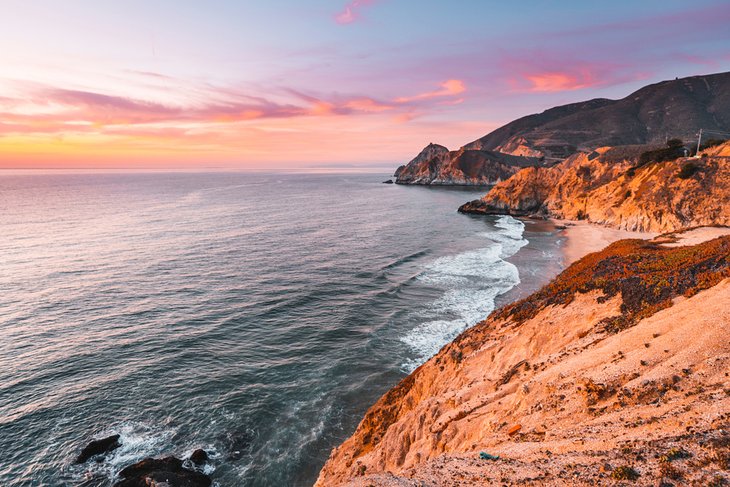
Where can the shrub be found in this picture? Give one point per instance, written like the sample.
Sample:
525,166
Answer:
712,143
688,170
624,473
675,143
660,155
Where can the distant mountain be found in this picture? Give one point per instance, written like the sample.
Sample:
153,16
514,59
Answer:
437,165
677,108
670,109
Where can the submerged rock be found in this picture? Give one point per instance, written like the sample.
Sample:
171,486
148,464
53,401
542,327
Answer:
159,472
99,447
389,181
199,457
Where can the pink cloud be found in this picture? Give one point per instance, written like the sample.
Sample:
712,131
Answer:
549,72
448,88
46,110
557,81
368,105
350,12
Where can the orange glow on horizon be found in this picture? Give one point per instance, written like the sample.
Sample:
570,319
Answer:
51,126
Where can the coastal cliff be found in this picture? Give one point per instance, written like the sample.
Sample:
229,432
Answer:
616,370
676,108
611,186
436,165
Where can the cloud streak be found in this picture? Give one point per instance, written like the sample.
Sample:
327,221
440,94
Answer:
351,12
47,110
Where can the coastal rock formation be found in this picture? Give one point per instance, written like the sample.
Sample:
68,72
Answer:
98,447
436,165
609,186
161,472
676,108
616,370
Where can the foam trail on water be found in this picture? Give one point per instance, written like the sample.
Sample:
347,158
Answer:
471,281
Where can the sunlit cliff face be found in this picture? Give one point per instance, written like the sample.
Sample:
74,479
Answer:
365,81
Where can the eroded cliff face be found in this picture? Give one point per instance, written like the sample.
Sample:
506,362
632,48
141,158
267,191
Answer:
436,165
617,368
602,187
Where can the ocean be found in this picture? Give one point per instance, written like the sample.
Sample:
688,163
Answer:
256,316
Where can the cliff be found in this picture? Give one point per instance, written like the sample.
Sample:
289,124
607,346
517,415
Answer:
617,370
436,165
611,186
676,108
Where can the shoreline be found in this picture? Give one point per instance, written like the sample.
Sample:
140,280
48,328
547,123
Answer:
583,238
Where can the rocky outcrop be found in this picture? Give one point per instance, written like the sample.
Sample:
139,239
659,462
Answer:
436,165
98,447
161,472
616,370
678,108
610,187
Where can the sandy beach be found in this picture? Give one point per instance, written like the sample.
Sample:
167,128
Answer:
584,238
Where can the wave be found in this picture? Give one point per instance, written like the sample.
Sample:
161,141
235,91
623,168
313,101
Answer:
471,281
138,441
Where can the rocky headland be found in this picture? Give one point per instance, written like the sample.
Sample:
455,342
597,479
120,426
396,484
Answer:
617,188
617,371
436,165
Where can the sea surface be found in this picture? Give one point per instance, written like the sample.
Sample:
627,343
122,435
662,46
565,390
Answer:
256,316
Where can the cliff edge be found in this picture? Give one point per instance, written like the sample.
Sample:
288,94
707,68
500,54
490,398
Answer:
617,370
615,187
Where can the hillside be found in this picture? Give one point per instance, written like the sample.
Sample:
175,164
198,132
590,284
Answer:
617,370
676,108
436,165
610,186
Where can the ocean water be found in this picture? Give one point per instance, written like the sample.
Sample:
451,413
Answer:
256,316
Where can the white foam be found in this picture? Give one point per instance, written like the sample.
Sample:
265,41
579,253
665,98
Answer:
471,281
509,236
456,269
137,440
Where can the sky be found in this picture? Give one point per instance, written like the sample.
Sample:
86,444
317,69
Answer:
270,85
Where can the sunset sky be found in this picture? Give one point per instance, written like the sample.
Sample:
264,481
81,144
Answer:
318,84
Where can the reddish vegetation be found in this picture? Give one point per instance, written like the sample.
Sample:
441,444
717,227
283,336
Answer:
588,381
646,275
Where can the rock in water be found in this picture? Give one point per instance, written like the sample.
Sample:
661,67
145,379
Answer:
99,447
389,181
159,472
199,457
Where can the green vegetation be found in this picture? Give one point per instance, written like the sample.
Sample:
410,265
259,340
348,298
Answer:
708,144
624,472
673,454
688,170
673,150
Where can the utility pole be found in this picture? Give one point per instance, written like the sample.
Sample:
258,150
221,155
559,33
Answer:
699,138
